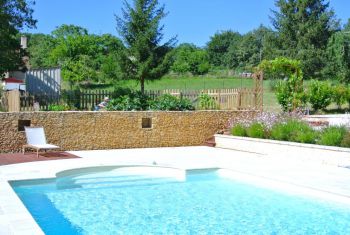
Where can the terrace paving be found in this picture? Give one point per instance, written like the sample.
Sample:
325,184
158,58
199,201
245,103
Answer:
14,158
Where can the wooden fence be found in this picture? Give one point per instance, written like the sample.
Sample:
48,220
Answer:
224,99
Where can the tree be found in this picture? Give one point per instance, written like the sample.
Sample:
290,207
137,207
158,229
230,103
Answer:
338,57
252,48
347,26
85,57
189,58
219,46
39,49
145,58
304,27
14,16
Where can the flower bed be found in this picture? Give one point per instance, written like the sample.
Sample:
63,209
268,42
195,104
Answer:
291,128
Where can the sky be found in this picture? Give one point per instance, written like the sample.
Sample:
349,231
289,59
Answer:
192,21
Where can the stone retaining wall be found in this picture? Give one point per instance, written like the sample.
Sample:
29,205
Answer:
113,130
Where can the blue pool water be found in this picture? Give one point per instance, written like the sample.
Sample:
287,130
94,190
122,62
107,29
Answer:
108,203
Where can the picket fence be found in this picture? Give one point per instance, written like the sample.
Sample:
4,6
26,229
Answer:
223,99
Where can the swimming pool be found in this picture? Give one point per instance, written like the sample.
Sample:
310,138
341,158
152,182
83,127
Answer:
169,201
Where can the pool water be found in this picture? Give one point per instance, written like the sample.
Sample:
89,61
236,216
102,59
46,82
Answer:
204,203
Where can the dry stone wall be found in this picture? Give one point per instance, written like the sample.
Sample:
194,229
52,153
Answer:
114,130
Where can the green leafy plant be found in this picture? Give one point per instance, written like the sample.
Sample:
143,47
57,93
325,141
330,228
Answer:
239,130
320,94
169,102
206,102
332,136
256,130
58,107
136,101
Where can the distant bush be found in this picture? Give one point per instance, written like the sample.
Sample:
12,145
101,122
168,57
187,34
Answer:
332,136
239,130
320,94
122,91
273,84
206,102
256,130
339,94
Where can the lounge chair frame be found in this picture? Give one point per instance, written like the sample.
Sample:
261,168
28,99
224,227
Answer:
38,143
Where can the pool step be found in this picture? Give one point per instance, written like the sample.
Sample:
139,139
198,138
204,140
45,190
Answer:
111,181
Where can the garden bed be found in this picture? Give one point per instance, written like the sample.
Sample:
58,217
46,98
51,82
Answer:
287,150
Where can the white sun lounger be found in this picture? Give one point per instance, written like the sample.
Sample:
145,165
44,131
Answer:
36,140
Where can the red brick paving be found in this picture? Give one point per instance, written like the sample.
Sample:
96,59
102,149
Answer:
13,158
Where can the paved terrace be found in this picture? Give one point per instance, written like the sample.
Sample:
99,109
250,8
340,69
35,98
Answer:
14,158
295,176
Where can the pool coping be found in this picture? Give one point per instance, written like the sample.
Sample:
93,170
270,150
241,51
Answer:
16,219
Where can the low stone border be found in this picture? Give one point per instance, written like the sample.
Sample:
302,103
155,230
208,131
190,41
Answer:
289,150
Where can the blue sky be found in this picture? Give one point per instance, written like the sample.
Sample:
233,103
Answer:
193,21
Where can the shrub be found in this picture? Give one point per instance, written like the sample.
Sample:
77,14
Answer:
169,102
293,130
136,101
122,91
280,131
256,130
307,136
238,130
346,140
320,94
58,107
332,136
339,95
206,102
290,93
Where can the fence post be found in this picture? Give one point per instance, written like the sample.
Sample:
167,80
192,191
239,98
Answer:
239,99
14,101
